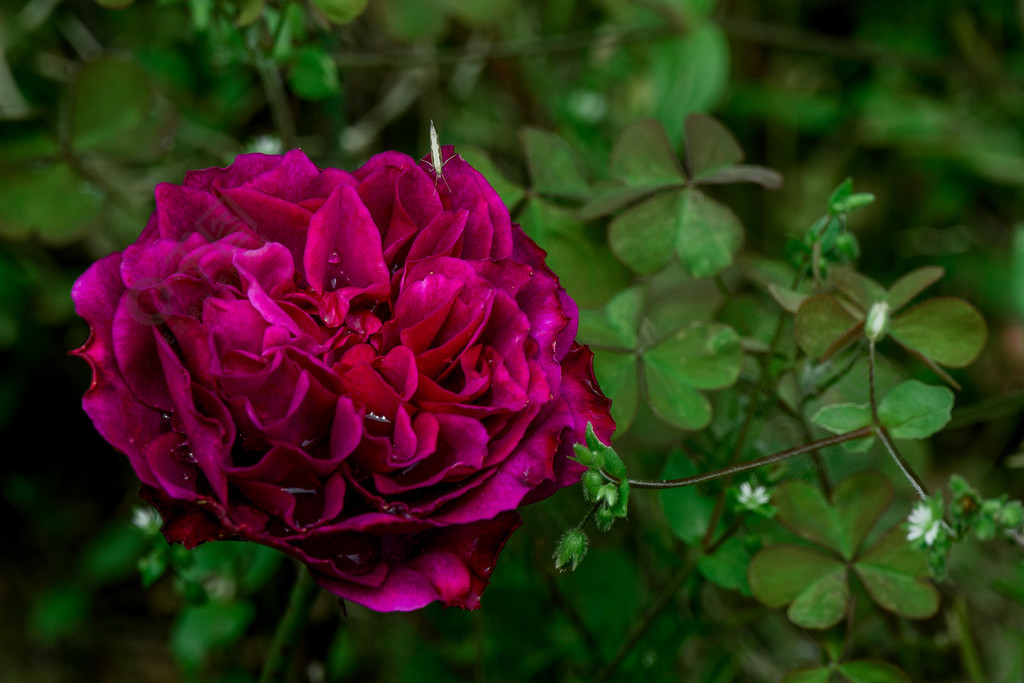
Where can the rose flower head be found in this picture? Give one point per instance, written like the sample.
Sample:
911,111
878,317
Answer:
368,371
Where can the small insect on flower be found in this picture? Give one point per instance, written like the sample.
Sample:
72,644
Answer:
922,523
435,158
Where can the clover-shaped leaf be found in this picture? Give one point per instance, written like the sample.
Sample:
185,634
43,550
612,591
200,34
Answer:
940,332
814,582
701,355
667,216
554,168
911,410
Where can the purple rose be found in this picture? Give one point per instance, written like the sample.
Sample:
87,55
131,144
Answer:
368,371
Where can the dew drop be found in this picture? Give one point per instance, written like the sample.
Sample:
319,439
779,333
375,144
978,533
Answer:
335,257
165,416
334,283
307,442
378,418
294,490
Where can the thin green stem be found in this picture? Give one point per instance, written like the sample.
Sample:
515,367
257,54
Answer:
273,87
968,649
289,629
741,437
883,435
751,464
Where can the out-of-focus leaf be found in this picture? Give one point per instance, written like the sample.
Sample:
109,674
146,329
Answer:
341,11
689,75
479,159
708,234
767,178
675,401
624,312
868,671
201,629
313,75
643,156
644,236
113,108
250,12
779,574
914,410
114,4
617,375
861,289
703,355
607,200
58,612
687,510
50,200
728,566
819,675
823,324
710,146
948,331
895,574
860,501
823,603
553,167
912,284
585,267
803,508
845,417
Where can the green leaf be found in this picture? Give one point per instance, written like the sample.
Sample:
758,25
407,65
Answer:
643,155
616,373
576,252
868,671
823,603
676,402
313,76
860,500
22,213
341,11
688,512
609,199
689,75
949,331
250,11
708,234
861,289
643,236
703,355
779,574
113,108
790,300
914,410
893,573
202,629
818,675
845,417
624,312
553,167
823,326
803,508
727,567
844,190
710,146
912,284
767,178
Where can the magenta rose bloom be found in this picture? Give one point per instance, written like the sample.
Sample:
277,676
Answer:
367,371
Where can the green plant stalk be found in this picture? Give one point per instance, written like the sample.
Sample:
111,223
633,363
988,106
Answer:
289,629
273,87
860,433
883,435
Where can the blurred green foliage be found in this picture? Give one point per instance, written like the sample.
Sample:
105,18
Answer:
577,110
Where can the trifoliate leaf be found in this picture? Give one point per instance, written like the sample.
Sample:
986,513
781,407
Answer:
643,156
948,331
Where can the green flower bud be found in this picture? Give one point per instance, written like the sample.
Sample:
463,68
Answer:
604,518
592,483
1011,515
571,549
877,321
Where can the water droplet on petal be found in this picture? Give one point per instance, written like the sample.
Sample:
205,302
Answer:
294,490
378,418
335,257
334,283
307,442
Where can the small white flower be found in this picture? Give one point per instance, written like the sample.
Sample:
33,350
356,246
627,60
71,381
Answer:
752,497
922,523
147,519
